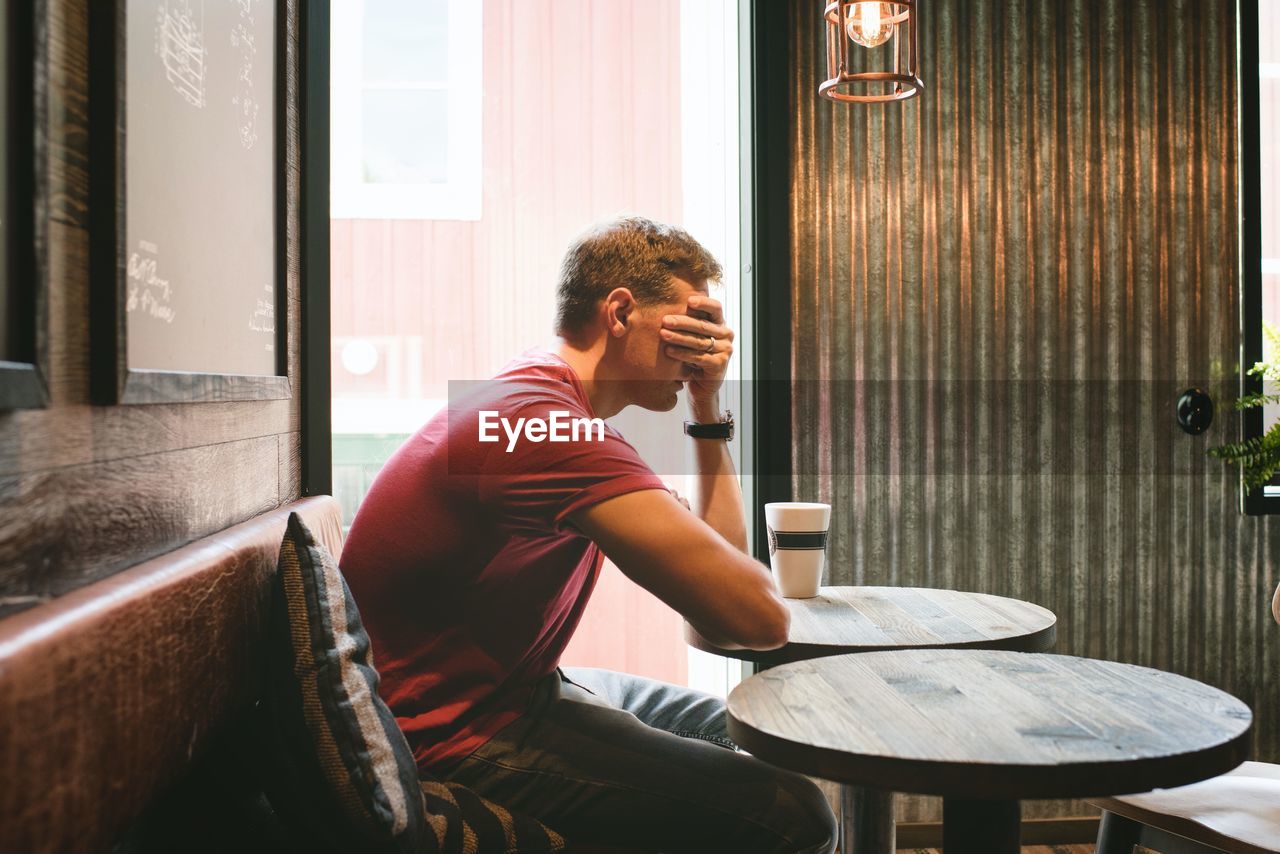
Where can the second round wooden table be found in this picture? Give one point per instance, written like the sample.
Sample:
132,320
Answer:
871,619
985,729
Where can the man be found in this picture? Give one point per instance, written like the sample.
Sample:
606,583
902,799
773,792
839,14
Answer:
477,548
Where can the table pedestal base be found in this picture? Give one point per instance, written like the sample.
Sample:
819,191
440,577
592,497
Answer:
981,827
866,821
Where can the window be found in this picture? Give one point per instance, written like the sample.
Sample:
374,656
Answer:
1260,214
590,109
406,107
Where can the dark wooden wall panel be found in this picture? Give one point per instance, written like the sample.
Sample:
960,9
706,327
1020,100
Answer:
87,491
289,470
76,519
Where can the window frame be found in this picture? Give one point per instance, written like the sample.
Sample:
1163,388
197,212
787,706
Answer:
1265,500
767,123
317,404
457,198
24,359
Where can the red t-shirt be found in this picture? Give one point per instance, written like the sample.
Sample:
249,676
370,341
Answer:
468,577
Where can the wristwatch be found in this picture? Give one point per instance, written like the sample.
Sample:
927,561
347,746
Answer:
722,429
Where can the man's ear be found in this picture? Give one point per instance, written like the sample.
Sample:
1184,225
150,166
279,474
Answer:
619,306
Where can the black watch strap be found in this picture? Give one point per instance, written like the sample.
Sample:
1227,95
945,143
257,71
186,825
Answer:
714,430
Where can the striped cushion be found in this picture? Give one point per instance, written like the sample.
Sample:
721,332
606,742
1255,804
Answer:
339,769
484,827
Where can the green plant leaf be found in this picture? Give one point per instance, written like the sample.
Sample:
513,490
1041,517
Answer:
1249,401
1258,457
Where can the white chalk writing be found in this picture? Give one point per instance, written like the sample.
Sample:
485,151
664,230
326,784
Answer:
180,46
242,39
263,319
145,290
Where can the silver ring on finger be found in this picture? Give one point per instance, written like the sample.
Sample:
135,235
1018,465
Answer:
711,345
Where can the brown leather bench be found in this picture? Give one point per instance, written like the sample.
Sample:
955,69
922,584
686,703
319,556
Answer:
123,704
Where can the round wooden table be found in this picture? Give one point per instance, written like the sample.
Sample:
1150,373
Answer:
868,619
986,728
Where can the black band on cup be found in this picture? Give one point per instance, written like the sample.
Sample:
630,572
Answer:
797,540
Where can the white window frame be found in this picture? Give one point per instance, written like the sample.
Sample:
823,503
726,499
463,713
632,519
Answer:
715,151
458,197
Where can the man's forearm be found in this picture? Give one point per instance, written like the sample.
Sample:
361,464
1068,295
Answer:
717,495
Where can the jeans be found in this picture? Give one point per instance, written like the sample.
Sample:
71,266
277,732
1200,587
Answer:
608,758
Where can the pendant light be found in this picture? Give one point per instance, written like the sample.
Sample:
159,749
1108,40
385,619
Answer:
887,31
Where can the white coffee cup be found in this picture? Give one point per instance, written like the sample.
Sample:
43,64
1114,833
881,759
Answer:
797,545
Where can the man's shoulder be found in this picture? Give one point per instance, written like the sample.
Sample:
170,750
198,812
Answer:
537,365
537,381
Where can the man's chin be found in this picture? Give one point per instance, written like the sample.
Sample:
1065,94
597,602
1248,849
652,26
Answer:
663,403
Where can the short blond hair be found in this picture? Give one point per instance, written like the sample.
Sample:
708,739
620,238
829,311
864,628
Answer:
627,252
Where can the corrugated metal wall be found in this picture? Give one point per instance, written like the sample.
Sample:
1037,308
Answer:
999,290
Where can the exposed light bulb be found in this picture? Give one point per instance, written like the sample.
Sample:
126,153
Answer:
870,24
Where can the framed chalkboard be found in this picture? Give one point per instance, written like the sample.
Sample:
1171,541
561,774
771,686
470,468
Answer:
188,198
22,290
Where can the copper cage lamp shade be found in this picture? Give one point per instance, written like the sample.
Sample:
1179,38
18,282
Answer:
867,25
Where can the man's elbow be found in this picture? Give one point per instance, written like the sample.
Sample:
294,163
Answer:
772,629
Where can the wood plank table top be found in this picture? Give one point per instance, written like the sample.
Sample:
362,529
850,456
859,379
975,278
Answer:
989,724
867,619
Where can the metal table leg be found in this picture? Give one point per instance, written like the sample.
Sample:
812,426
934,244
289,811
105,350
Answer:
981,827
866,821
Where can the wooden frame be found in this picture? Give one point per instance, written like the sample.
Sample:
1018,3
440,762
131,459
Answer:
112,379
22,380
768,430
317,390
